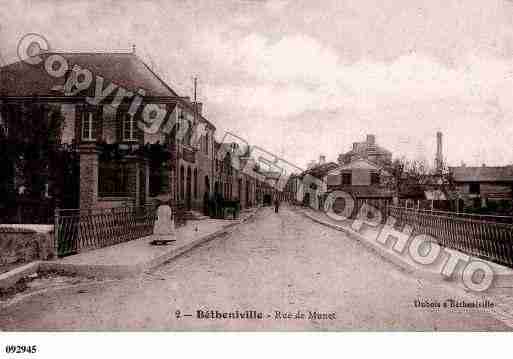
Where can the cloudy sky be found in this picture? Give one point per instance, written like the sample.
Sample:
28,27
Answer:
301,78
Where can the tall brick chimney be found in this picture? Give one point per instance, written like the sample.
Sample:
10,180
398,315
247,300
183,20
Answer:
322,159
439,152
371,140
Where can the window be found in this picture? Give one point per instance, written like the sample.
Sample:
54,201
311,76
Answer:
474,188
182,183
346,179
88,126
4,130
374,178
113,179
195,183
129,127
187,136
206,143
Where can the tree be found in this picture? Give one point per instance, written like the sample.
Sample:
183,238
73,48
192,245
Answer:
406,173
30,146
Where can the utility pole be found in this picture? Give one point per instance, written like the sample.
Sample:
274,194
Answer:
195,98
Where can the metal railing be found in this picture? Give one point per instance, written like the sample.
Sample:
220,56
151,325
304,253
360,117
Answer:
476,235
78,230
473,216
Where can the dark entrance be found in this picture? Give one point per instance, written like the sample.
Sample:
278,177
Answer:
306,200
189,187
267,200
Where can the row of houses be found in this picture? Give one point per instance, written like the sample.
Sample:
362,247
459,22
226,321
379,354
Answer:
121,163
367,172
124,160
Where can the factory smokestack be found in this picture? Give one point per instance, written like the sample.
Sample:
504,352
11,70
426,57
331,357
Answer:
439,160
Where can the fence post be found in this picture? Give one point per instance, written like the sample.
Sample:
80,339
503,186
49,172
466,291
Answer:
56,231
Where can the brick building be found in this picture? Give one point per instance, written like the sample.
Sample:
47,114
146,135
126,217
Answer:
478,186
369,151
362,178
135,135
238,178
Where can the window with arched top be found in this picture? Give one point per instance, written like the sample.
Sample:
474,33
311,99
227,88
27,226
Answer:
196,183
3,122
188,134
182,183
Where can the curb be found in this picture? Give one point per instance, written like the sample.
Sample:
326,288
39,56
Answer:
389,257
10,278
112,271
22,297
503,282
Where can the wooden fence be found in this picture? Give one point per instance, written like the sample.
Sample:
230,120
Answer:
78,230
480,236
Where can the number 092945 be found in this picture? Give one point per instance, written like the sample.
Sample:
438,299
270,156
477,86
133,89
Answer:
20,349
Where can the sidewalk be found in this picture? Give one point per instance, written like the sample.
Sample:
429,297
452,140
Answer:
134,257
503,276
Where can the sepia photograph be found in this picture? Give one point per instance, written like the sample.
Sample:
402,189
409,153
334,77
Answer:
255,166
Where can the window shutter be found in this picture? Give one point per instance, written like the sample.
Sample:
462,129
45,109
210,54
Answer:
78,123
139,134
119,125
98,123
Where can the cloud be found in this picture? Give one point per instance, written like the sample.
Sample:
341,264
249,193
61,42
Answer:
412,96
303,70
298,73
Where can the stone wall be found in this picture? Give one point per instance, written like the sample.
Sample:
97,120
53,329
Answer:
26,243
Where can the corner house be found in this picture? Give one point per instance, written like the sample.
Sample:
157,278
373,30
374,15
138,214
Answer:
133,134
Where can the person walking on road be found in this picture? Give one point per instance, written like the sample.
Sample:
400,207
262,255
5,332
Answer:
276,205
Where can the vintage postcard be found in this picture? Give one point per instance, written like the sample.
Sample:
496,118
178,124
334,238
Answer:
255,165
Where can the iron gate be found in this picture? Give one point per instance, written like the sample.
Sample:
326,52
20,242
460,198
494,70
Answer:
77,230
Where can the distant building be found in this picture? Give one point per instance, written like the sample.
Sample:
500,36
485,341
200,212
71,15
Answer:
365,181
367,150
309,178
361,177
478,185
320,162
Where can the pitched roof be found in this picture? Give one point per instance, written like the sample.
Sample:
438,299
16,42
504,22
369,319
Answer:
364,191
359,163
363,147
320,170
124,69
482,174
271,175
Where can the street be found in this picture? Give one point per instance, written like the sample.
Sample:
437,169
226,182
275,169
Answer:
273,263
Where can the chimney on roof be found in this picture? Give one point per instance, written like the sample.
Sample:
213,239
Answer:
355,146
483,165
322,159
133,49
371,140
